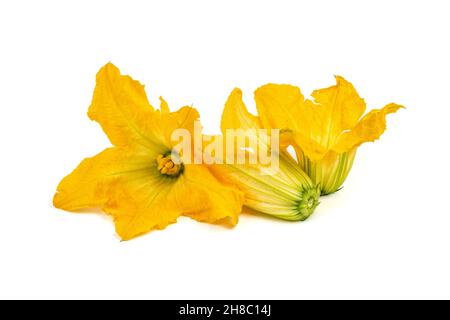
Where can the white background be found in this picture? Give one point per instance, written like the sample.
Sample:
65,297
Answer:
385,235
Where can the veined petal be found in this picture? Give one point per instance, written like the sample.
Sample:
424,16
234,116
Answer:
87,186
369,128
140,204
168,122
239,127
278,106
331,171
199,195
285,192
309,147
301,121
342,108
121,107
126,183
235,114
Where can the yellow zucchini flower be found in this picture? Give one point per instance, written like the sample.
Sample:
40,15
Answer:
325,132
136,181
283,191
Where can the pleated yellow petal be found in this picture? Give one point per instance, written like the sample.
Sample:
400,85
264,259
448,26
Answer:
311,148
88,185
167,122
199,195
239,124
342,108
140,204
147,203
121,107
278,106
369,128
301,121
235,114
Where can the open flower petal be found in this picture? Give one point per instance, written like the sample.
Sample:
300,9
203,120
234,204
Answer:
301,121
278,106
140,204
166,123
369,128
342,108
235,114
144,204
88,185
335,109
121,107
199,195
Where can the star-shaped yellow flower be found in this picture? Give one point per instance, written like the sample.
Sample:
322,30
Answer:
326,131
136,181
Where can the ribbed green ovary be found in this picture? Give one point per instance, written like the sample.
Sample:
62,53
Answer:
286,192
329,176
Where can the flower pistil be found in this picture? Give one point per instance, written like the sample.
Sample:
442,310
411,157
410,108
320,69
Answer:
167,166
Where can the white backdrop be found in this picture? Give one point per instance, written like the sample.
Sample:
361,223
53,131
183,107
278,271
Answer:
385,235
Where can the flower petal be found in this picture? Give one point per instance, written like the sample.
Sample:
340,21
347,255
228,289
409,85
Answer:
141,204
87,186
278,106
369,128
199,195
125,183
235,114
308,146
184,118
283,106
145,203
342,108
238,124
121,107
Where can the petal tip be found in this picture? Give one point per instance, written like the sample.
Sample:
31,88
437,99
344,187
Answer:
57,200
164,106
109,67
236,91
393,107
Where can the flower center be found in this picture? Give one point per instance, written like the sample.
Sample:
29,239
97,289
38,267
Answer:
166,166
